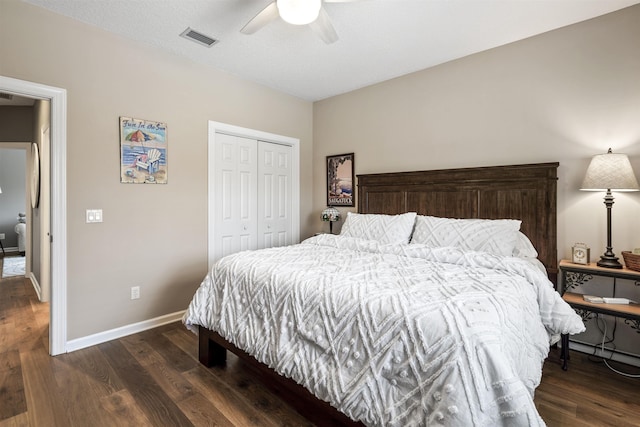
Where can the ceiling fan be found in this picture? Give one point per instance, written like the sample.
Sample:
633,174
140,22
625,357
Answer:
297,12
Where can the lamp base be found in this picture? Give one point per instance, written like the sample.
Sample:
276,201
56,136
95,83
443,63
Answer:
607,261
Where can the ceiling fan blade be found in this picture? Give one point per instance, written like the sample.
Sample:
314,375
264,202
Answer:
323,27
265,16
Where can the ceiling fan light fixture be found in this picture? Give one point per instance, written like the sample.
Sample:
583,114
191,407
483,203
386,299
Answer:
299,12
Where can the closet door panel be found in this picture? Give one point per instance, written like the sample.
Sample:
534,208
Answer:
274,207
235,192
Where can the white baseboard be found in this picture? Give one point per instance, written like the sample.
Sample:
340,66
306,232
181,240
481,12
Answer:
628,358
36,285
123,331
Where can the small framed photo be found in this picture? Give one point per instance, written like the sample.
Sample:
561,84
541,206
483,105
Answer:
340,180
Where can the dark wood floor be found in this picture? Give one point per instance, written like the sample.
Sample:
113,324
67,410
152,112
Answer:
153,379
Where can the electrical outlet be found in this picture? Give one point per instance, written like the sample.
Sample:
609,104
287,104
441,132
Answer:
135,292
1,236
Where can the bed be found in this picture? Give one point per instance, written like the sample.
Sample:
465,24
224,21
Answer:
396,322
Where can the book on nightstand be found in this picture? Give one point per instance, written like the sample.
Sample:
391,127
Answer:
607,300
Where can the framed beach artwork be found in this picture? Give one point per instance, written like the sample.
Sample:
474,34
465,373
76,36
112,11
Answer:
340,180
143,151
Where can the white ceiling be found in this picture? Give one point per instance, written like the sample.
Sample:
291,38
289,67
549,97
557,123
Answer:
379,39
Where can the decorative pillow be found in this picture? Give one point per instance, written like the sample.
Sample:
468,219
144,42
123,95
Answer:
524,248
496,236
383,228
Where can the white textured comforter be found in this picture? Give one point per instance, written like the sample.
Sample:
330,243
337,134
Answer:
392,335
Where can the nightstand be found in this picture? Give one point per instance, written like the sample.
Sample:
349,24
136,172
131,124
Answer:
572,275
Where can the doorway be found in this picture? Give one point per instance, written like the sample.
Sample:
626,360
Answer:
56,236
14,200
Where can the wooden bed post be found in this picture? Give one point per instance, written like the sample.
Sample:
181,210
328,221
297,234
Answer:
210,353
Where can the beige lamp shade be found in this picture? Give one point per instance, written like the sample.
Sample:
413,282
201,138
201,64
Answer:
610,172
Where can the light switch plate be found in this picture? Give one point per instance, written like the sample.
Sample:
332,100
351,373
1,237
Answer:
94,215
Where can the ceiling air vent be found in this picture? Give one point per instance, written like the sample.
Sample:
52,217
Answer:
199,38
6,96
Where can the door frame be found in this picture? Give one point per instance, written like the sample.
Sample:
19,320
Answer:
58,189
294,143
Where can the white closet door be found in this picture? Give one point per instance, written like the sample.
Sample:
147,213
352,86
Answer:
274,195
235,189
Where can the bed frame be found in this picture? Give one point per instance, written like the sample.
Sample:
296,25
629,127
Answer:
525,192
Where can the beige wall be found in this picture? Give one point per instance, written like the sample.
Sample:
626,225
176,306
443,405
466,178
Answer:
13,165
40,216
562,96
16,123
153,236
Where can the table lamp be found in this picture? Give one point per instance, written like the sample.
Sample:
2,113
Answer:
331,214
610,172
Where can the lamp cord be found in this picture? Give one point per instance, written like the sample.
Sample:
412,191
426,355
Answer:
602,348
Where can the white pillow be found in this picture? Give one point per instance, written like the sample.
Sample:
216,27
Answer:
496,236
382,228
524,248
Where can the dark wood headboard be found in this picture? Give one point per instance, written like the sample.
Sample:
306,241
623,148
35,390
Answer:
524,192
